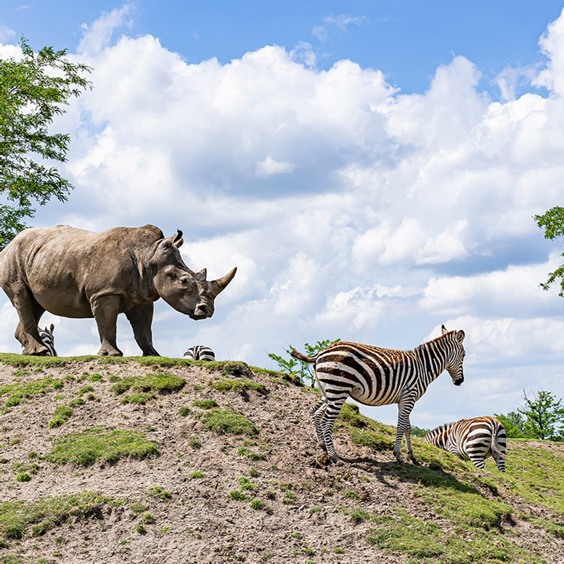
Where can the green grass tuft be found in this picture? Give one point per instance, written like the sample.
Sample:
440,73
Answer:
159,383
62,414
140,398
238,385
96,445
18,391
205,403
228,422
18,517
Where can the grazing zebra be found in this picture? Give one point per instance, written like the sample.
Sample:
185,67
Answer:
199,352
376,376
472,439
48,339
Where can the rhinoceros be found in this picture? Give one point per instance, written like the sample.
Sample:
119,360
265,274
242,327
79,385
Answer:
76,273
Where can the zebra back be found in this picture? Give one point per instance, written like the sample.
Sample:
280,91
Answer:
48,339
472,439
200,352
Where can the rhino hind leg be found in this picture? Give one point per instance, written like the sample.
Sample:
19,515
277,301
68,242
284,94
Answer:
105,310
29,313
141,318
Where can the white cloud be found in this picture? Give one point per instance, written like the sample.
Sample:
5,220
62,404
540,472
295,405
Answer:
271,167
98,36
513,291
340,21
6,33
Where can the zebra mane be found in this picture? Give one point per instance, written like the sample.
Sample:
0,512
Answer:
426,344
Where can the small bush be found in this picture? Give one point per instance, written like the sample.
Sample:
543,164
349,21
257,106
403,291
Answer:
184,411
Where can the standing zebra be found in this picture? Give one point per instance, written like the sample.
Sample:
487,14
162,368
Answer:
376,376
48,339
199,352
472,439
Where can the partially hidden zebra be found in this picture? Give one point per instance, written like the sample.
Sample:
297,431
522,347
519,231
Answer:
48,339
199,352
472,439
377,376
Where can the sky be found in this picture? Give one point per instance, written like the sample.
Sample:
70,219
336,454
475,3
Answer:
372,168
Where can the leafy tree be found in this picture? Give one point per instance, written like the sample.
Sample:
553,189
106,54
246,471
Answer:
514,424
293,366
553,224
542,417
33,90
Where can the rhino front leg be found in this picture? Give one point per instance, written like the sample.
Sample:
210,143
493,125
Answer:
105,310
141,319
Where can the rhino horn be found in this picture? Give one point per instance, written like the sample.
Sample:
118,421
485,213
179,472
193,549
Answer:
178,240
217,286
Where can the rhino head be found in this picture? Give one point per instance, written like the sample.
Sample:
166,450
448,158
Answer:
185,290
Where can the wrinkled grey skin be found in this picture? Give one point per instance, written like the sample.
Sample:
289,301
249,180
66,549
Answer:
75,273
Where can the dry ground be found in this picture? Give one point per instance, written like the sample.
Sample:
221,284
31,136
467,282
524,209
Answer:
304,514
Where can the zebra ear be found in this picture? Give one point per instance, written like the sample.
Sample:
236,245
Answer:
443,329
52,328
460,336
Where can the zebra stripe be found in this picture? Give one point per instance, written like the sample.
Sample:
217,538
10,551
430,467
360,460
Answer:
472,439
48,339
376,376
199,352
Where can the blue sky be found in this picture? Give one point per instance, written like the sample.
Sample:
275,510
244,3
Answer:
407,40
371,168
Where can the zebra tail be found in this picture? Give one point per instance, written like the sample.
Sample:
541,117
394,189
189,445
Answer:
301,356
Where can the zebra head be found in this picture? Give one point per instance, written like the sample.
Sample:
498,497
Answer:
455,356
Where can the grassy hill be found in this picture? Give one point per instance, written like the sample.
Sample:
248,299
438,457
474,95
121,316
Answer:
159,460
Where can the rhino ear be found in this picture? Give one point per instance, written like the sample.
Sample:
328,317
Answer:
217,286
178,240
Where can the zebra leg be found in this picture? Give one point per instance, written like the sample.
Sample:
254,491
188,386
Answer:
316,414
330,414
498,448
478,462
408,442
405,408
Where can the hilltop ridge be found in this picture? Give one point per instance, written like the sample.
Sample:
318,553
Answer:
167,460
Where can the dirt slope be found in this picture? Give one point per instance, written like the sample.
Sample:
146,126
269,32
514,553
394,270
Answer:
179,505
